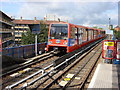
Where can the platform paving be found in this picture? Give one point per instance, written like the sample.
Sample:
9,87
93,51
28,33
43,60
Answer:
106,76
116,76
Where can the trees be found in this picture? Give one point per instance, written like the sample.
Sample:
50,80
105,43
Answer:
117,34
29,38
43,36
98,28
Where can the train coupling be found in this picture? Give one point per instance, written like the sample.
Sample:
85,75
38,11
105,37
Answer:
55,48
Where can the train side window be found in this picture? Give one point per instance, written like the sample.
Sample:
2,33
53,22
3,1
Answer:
72,33
95,34
76,34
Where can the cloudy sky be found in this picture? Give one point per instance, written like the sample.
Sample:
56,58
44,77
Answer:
87,12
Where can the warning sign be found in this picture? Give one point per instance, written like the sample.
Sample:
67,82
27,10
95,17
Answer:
108,49
108,43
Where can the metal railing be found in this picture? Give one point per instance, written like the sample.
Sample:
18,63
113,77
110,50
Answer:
24,51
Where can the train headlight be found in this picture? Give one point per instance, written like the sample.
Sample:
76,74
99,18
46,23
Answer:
45,48
65,43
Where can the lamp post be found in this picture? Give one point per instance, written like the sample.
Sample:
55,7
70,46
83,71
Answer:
36,45
109,22
109,26
36,32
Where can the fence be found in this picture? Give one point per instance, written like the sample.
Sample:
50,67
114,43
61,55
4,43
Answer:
25,51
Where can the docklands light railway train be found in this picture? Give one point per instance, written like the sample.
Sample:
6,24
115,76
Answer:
68,37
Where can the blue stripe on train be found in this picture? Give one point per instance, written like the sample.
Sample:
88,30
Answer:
71,42
68,42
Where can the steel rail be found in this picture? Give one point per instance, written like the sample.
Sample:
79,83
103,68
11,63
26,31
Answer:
28,63
45,74
50,55
83,83
41,70
81,68
49,85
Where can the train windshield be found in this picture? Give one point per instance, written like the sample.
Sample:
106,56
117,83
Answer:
59,31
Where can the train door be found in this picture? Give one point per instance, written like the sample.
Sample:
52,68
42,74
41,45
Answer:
76,35
87,32
84,39
92,33
95,34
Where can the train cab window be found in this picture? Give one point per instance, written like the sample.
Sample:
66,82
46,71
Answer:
59,31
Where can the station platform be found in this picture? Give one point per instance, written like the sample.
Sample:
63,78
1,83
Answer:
106,76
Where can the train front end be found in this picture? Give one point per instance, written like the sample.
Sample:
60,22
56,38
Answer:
58,37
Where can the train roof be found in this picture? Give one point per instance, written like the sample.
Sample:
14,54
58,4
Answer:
80,26
89,28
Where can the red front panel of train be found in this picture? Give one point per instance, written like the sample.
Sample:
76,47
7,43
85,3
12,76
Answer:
57,42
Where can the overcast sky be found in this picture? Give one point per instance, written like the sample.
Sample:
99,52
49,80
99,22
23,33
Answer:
76,12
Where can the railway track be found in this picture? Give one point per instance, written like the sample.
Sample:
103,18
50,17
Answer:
51,77
82,70
75,75
26,64
28,68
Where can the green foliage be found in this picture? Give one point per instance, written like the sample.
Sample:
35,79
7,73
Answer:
29,38
117,34
98,28
95,27
43,36
112,29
